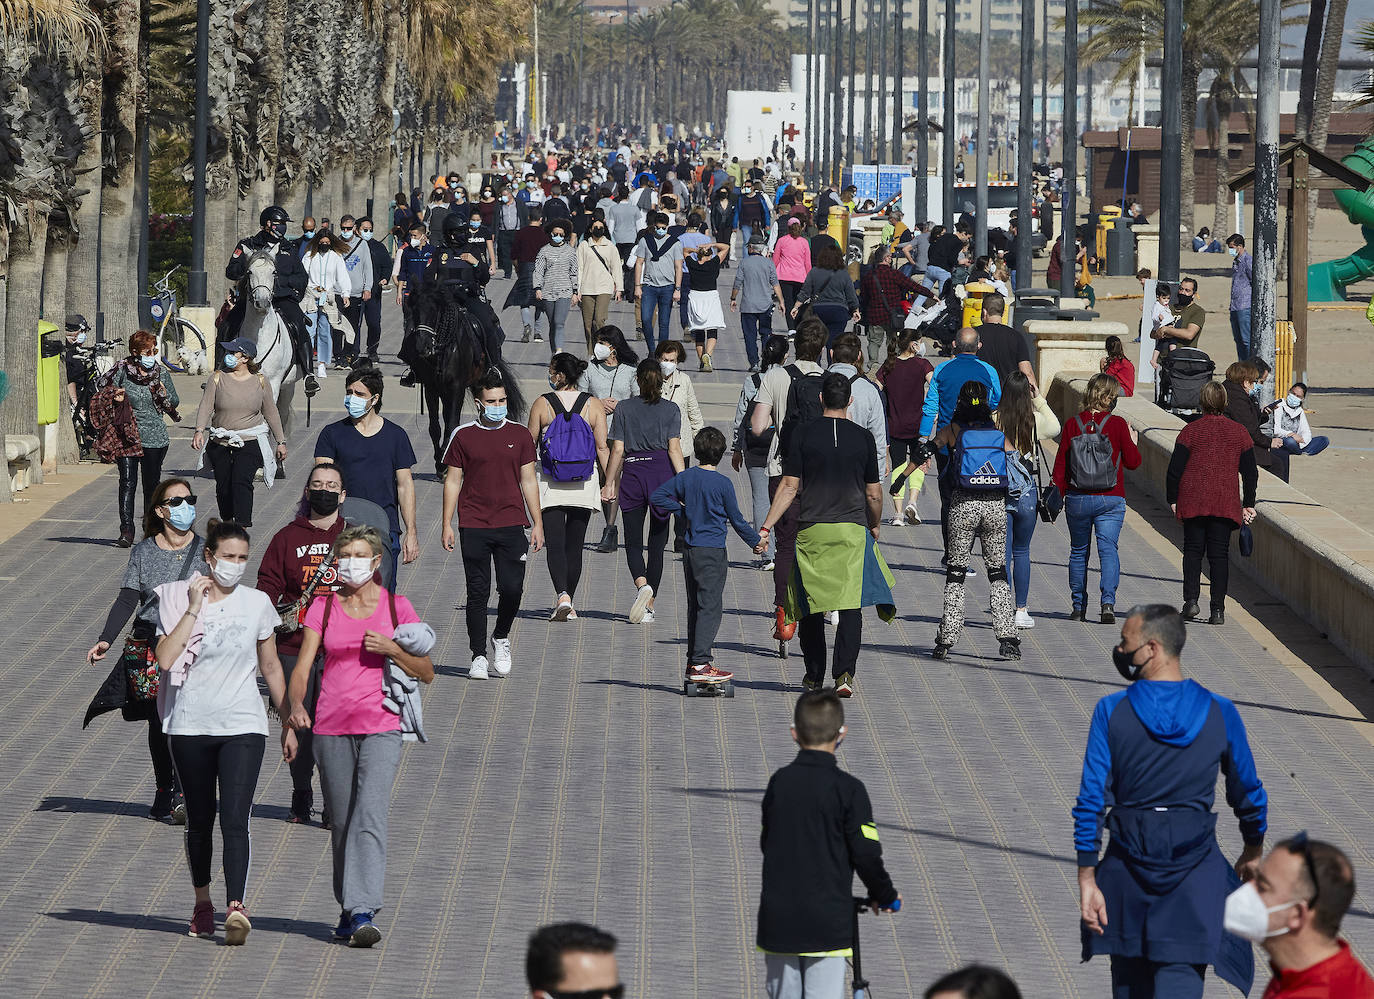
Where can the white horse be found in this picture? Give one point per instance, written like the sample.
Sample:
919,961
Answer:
265,327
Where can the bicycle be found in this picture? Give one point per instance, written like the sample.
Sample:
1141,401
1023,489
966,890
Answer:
181,344
98,362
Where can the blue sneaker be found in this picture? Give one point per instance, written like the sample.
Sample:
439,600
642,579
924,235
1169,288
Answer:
362,931
345,928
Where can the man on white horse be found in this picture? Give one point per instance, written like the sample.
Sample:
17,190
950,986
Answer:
290,285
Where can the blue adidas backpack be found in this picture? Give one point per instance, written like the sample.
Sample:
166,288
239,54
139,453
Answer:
980,459
567,448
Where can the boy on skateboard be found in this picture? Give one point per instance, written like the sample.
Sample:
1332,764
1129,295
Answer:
708,500
818,832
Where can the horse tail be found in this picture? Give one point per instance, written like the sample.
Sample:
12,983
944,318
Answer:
515,399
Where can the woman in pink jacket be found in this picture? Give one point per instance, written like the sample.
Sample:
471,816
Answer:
792,258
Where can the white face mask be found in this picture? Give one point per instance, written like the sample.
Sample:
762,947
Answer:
1248,917
415,241
601,351
356,571
227,574
667,367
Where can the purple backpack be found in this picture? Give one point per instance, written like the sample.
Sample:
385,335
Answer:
567,448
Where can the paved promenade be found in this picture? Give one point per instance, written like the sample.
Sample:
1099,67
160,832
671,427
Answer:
585,786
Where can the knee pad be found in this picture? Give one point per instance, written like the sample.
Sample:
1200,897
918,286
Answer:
998,574
955,573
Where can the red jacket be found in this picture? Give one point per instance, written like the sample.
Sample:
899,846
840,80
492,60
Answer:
1208,455
1340,976
290,561
1124,451
1124,372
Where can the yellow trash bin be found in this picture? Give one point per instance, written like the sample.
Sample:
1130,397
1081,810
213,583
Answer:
837,227
49,378
973,304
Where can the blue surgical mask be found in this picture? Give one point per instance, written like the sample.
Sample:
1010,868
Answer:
552,385
366,234
231,361
1254,391
494,414
556,239
356,406
1293,401
80,339
182,516
1231,250
660,232
308,234
148,362
475,223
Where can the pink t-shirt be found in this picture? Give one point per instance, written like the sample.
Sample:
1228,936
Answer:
351,685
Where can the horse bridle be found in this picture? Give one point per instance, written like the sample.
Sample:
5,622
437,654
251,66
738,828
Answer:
281,323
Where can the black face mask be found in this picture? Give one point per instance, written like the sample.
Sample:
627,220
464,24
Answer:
322,502
1125,663
277,230
1184,300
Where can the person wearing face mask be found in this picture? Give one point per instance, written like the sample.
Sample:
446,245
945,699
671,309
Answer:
1293,909
328,283
1241,406
1189,318
610,377
357,261
491,485
679,390
581,206
76,359
1155,901
307,236
170,550
298,564
554,280
1242,274
127,408
360,629
213,636
556,204
599,279
524,252
287,290
657,276
511,215
459,207
751,212
381,279
376,459
236,415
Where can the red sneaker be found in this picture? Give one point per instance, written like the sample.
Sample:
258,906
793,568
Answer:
783,630
708,674
203,921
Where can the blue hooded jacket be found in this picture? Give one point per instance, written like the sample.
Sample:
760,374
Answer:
1156,748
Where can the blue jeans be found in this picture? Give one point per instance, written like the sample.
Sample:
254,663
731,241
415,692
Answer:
1315,446
1240,333
1141,978
651,296
758,491
936,277
757,326
1089,514
1020,529
324,342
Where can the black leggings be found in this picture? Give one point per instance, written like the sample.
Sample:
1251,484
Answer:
231,763
234,470
634,544
1212,535
163,771
565,531
482,547
303,766
149,466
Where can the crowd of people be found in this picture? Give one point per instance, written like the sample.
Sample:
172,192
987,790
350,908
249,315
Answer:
839,407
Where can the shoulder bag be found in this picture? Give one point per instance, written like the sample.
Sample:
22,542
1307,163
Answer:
291,613
139,658
1050,502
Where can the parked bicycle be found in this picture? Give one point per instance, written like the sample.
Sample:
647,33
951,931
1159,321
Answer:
180,342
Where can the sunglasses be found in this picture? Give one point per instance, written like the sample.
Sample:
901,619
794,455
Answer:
176,501
1301,842
614,992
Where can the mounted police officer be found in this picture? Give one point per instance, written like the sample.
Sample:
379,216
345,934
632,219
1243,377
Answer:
287,291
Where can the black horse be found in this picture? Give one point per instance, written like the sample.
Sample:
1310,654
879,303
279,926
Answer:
458,337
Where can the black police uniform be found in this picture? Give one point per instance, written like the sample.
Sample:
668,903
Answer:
286,292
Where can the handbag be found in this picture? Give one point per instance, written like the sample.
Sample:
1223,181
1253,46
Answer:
291,613
1049,503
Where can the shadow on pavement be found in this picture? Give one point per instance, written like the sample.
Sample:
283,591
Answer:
610,681
177,927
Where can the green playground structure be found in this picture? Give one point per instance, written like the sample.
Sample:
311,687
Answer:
1326,281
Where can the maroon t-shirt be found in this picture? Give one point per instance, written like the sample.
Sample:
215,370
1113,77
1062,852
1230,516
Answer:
491,459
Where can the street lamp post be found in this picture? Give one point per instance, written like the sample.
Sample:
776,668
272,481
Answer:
1024,146
922,111
197,292
980,189
899,116
1264,282
947,146
1069,151
850,126
1171,141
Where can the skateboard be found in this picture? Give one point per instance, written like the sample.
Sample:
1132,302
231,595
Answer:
708,688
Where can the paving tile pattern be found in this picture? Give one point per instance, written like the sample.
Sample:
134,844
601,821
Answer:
586,786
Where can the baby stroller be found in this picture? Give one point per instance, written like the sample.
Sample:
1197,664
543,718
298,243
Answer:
1182,373
938,320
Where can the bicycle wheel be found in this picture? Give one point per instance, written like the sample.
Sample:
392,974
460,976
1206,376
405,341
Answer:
176,334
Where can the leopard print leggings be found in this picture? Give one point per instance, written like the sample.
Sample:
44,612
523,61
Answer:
974,515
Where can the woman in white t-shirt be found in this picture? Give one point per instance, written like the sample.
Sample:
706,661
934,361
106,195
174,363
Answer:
215,636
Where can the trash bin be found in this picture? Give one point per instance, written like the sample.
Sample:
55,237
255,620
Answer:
1120,251
973,304
49,374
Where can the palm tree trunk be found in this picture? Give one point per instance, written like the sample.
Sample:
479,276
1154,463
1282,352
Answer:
83,278
28,242
1222,197
1326,84
119,297
1192,69
54,310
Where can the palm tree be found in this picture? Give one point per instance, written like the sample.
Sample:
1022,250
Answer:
1212,29
1365,40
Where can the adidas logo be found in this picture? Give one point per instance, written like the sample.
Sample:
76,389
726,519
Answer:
987,475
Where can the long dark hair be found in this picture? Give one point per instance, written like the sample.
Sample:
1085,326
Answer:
1016,412
972,406
774,351
624,353
828,256
650,377
152,522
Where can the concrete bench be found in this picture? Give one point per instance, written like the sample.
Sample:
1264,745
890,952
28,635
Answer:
21,452
1311,558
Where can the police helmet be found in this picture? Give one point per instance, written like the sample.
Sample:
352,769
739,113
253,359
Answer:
273,213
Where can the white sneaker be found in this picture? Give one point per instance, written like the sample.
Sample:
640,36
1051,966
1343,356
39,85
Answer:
833,618
641,604
320,371
767,565
1024,620
562,612
478,669
648,617
897,522
501,656
912,517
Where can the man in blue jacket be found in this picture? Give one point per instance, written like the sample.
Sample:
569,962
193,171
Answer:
1156,901
943,396
751,212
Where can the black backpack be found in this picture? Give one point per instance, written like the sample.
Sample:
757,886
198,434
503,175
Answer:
803,404
1092,464
756,445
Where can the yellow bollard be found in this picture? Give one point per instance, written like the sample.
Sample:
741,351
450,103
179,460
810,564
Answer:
1285,338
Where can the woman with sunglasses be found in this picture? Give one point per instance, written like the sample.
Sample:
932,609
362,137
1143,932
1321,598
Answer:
169,550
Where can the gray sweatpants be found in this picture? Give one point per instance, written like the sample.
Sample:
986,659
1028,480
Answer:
703,569
356,774
794,977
